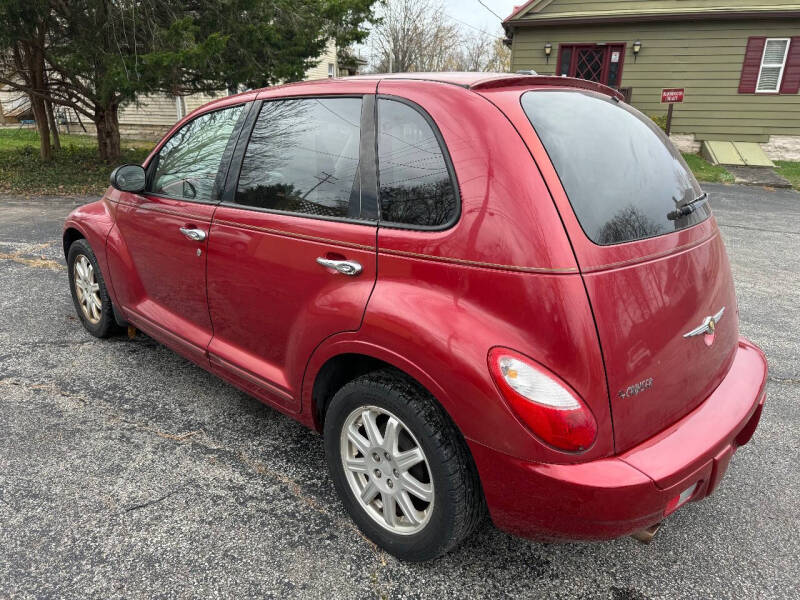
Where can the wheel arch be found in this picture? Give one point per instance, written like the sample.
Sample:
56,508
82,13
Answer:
330,369
70,236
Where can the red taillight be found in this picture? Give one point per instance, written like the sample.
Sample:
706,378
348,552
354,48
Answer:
547,405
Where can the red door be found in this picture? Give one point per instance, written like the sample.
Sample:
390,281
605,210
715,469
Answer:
300,211
163,233
164,290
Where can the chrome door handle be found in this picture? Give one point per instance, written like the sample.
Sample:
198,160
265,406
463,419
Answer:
198,235
345,267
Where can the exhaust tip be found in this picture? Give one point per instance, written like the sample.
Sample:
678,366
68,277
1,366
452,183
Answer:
646,536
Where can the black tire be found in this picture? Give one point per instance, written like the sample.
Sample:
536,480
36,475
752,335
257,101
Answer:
458,505
105,325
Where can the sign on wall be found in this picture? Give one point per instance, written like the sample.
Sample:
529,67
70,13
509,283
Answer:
670,95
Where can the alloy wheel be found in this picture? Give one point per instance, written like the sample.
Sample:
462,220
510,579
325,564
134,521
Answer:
87,289
387,470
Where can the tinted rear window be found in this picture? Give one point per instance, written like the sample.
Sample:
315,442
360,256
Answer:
620,172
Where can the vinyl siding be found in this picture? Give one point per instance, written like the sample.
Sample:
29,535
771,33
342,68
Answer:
321,70
157,109
705,58
581,8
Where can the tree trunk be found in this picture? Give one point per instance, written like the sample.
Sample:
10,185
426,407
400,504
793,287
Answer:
51,120
39,84
40,116
106,120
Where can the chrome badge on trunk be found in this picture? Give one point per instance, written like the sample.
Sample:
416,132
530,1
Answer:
707,328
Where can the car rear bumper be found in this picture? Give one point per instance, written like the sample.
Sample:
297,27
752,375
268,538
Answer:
619,495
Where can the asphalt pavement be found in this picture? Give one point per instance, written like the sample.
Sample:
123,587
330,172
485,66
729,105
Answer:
127,472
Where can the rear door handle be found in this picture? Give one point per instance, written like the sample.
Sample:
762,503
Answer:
198,235
345,267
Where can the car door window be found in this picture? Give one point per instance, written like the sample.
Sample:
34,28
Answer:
303,157
416,186
187,165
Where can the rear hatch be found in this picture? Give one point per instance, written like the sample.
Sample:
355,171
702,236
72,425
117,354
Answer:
651,256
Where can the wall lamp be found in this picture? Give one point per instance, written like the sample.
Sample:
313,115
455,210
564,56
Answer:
548,49
637,47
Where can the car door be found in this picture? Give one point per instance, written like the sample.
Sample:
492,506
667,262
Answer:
291,256
161,277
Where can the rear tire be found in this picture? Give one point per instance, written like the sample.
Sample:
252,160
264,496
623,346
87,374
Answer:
89,293
416,512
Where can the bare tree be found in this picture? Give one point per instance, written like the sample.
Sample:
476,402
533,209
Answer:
417,35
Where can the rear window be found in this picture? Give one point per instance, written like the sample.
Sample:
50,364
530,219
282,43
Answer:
622,176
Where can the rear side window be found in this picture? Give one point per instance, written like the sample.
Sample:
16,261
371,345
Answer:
303,157
622,175
415,183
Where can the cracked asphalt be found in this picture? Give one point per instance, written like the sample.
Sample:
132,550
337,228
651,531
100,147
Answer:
127,472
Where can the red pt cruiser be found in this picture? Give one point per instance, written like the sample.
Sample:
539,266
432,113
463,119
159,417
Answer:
487,291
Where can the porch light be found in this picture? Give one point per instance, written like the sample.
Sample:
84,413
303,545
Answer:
637,47
548,49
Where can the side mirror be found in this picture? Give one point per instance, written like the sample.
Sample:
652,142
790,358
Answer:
129,178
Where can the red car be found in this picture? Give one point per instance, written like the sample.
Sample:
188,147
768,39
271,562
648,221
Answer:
486,291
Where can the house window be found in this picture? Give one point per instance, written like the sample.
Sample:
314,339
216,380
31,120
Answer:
331,70
594,62
773,62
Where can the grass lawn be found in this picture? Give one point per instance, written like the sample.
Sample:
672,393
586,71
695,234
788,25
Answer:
75,170
790,170
705,171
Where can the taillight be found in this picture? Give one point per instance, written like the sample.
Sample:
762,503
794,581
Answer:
545,404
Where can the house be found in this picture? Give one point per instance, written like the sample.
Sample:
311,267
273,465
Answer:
738,61
14,105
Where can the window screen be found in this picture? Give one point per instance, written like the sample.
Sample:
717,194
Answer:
303,157
187,165
415,184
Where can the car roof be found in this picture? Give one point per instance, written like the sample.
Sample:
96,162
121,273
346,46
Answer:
463,78
479,81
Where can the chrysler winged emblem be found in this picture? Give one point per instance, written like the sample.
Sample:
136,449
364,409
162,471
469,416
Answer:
707,328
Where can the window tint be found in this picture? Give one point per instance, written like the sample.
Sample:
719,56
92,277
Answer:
303,157
187,165
622,175
415,185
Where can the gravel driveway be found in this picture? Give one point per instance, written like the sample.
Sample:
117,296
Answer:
127,472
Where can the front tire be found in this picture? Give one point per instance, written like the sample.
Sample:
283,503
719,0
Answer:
89,293
400,467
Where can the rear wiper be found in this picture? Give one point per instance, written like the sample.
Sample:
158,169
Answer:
687,208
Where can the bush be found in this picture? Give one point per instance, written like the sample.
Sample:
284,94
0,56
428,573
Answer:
660,120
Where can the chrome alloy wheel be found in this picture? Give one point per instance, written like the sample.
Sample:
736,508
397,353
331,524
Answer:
387,470
87,289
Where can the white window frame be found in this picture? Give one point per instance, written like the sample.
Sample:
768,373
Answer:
777,89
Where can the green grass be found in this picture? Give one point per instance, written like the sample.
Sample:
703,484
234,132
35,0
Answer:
705,171
75,170
790,170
